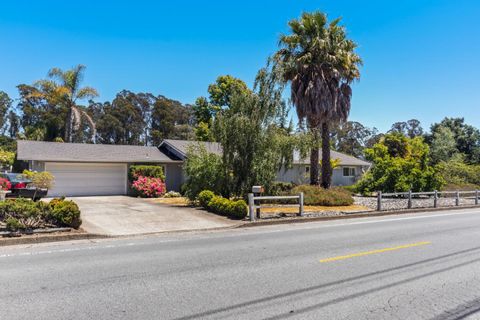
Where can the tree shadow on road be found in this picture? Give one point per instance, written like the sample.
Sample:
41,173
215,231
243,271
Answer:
339,282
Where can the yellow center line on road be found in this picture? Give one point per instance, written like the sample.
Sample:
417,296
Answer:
365,253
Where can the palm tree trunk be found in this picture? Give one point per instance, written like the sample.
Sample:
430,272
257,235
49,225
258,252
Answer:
314,154
69,125
326,165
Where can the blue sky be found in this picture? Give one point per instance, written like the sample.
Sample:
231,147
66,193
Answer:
420,56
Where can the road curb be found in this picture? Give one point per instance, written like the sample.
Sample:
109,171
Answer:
362,214
49,238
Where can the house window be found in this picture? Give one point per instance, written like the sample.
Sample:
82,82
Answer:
307,169
349,172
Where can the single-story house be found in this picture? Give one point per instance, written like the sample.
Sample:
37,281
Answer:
99,169
348,171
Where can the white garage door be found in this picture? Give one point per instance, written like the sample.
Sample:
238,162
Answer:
87,179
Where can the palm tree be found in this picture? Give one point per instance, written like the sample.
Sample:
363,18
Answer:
63,88
320,63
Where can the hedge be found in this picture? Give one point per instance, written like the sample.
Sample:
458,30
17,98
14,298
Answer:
146,171
234,209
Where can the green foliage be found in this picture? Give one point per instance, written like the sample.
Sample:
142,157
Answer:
203,110
317,196
8,144
411,128
399,164
254,146
65,213
170,119
233,209
43,180
146,171
353,137
6,157
203,132
238,210
467,137
457,173
224,88
280,188
204,197
443,145
204,171
12,224
27,214
5,105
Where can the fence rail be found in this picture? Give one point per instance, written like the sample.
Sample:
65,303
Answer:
436,195
254,205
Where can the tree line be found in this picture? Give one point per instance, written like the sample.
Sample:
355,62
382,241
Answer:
146,119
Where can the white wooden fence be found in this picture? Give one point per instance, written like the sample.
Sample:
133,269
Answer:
254,205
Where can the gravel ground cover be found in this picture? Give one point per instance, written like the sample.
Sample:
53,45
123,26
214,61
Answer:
399,203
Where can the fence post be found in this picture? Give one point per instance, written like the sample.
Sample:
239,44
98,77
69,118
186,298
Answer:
457,199
409,205
300,200
379,201
476,197
435,199
251,207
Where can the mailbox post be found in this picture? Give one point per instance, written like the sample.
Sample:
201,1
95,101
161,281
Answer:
257,191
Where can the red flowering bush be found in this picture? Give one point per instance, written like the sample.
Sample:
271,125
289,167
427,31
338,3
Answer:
5,184
149,187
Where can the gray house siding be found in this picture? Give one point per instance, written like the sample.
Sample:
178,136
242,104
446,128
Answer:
174,176
299,174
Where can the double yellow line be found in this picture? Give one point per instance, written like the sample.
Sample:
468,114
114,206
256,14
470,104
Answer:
365,253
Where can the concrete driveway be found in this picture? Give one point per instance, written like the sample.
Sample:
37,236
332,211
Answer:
121,215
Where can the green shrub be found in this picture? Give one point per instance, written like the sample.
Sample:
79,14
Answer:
56,201
317,196
226,207
399,164
204,198
238,210
13,224
30,214
20,208
146,171
66,213
280,188
458,174
217,205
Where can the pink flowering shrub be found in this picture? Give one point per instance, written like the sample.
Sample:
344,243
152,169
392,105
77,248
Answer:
5,184
149,187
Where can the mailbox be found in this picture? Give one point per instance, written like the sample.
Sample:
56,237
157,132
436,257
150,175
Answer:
257,189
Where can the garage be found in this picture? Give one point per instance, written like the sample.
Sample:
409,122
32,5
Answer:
86,169
88,179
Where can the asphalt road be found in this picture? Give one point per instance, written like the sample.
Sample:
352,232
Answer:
397,267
